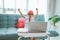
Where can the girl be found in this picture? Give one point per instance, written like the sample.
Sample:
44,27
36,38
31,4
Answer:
29,18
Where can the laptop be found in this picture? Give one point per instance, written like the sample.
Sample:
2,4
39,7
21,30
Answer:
37,27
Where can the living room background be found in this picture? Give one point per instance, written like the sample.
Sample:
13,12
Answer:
25,5
11,6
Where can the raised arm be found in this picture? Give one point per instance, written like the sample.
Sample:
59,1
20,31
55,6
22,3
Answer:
36,13
21,13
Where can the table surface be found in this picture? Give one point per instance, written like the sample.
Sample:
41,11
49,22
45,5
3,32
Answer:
26,34
32,34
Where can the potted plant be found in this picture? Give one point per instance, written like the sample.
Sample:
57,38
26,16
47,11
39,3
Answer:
54,19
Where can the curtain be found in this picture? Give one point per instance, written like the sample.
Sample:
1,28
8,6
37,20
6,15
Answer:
51,12
51,7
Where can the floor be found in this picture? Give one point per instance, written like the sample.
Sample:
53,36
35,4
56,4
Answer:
57,28
54,38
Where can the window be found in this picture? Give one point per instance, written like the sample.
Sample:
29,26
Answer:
11,6
22,4
40,4
1,6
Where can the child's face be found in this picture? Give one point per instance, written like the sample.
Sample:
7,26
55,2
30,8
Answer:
30,15
30,12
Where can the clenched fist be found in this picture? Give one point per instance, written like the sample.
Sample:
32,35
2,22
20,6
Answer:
18,9
36,8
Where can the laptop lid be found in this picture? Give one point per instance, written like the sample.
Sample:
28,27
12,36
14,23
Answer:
37,26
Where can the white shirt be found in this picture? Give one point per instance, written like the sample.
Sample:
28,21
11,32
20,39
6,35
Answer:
27,20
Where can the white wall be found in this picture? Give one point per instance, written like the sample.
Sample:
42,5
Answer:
57,11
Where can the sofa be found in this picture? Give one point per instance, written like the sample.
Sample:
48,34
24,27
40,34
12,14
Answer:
8,30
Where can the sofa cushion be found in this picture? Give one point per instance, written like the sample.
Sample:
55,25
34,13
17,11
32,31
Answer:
11,31
8,33
3,21
3,31
11,17
3,25
20,23
17,16
11,25
11,22
40,18
3,17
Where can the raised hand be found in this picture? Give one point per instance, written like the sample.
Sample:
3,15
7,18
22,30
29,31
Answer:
36,8
21,13
18,9
36,13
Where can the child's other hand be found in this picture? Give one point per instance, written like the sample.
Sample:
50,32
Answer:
36,8
18,9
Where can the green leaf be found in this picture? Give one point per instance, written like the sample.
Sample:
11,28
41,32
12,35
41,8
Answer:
55,19
49,18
